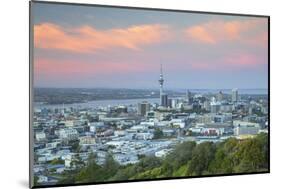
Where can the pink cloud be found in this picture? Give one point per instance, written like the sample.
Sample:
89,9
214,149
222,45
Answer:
214,32
243,60
63,69
201,34
87,39
230,62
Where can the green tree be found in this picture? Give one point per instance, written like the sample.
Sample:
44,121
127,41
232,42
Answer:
250,155
203,154
57,161
91,172
224,160
74,145
180,155
110,167
35,181
158,133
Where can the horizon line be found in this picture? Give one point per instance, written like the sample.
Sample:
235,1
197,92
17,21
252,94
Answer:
51,87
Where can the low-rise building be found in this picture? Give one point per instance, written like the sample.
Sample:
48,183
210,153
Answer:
144,136
87,140
68,134
40,136
168,132
162,153
246,130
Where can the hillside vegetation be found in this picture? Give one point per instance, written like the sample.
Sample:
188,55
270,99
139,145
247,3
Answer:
187,159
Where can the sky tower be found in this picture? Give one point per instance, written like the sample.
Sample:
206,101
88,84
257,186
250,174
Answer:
161,82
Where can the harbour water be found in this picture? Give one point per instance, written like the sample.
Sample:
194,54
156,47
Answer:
116,102
98,103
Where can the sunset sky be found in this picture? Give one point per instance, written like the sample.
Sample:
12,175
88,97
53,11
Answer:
84,46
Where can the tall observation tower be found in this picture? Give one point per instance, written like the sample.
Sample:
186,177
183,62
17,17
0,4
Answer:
161,82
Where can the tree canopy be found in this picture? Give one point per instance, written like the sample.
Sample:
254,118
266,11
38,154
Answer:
186,159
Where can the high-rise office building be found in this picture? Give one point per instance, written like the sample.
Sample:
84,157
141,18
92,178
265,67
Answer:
164,100
174,103
235,96
220,96
215,108
169,104
188,96
207,105
143,108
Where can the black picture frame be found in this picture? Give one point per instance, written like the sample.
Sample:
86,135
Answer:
31,62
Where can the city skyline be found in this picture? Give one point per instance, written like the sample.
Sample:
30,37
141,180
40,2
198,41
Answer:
81,47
